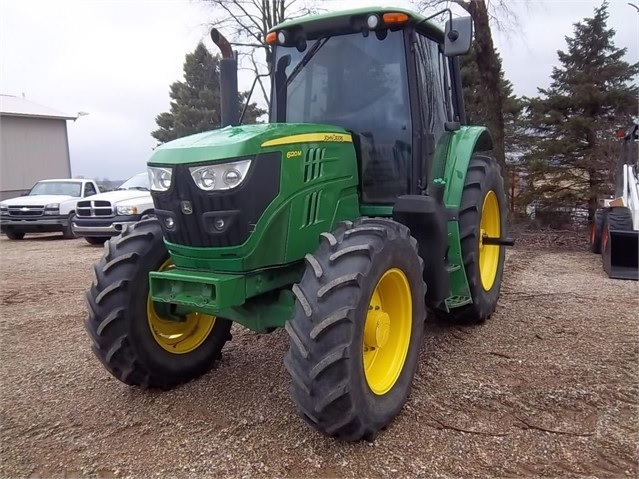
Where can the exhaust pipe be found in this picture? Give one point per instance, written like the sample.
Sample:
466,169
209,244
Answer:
229,98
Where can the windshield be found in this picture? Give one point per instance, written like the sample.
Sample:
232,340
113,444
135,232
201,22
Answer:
137,182
68,188
359,83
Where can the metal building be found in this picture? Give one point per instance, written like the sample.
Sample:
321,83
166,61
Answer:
33,145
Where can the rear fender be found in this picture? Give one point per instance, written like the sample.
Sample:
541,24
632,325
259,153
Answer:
463,143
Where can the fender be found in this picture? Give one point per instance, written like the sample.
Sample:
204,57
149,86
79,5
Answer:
461,146
463,143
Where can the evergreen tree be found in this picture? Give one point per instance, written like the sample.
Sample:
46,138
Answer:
195,105
574,121
475,106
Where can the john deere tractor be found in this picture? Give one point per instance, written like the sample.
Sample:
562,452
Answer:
365,202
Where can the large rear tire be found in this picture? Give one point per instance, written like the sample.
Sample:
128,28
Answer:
132,337
482,212
357,329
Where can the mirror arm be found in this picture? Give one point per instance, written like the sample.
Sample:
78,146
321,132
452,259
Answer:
453,34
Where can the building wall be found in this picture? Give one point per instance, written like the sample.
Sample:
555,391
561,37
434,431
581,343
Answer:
31,149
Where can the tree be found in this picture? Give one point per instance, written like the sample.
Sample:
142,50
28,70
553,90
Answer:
574,121
477,113
488,65
195,105
248,21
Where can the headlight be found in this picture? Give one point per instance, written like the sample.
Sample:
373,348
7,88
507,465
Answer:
221,176
160,178
4,209
126,210
52,209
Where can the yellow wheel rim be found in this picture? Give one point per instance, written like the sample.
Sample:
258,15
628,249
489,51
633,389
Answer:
387,331
489,254
178,337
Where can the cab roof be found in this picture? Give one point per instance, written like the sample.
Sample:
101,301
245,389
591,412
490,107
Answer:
331,20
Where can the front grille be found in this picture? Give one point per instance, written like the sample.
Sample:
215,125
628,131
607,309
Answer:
240,208
26,211
92,208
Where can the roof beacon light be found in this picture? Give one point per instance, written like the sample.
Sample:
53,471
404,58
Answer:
395,18
372,21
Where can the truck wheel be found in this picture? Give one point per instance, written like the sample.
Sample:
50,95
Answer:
482,212
132,337
357,328
68,232
596,229
14,235
96,240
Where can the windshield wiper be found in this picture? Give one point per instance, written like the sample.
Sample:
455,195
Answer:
306,58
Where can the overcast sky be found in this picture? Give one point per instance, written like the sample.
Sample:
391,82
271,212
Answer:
116,59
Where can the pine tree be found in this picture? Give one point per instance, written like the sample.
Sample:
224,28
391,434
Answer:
591,96
195,105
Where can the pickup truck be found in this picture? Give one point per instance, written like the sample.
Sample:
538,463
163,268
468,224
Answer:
106,214
48,207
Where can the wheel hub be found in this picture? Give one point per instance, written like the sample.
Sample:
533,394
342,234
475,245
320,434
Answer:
387,331
377,329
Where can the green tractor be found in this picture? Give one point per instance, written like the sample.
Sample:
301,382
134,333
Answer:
365,202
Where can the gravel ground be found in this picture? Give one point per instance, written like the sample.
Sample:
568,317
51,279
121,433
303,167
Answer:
548,387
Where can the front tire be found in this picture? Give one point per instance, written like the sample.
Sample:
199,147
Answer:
14,235
357,329
68,232
131,337
96,240
596,230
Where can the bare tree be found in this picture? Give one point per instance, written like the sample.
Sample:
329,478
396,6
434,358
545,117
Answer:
483,13
246,23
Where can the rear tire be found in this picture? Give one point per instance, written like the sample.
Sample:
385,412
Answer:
596,230
96,240
337,384
483,180
14,235
119,322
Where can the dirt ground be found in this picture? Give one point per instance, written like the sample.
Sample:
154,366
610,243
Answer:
547,387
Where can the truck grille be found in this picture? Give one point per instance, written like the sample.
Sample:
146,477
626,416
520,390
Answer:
92,208
26,211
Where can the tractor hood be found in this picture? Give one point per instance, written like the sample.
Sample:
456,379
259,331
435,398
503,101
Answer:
245,140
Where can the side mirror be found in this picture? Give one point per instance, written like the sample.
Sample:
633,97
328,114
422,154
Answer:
458,35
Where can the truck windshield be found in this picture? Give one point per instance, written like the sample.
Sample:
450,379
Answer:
67,188
359,83
137,182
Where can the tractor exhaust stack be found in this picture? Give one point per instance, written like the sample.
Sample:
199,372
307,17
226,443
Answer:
229,99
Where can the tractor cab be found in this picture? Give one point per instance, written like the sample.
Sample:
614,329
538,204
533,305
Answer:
382,76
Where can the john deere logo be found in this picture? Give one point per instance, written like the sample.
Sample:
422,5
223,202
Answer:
186,207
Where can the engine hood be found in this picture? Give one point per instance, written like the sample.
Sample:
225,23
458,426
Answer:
37,200
245,140
120,195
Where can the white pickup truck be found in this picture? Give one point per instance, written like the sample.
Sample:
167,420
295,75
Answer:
106,214
49,206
